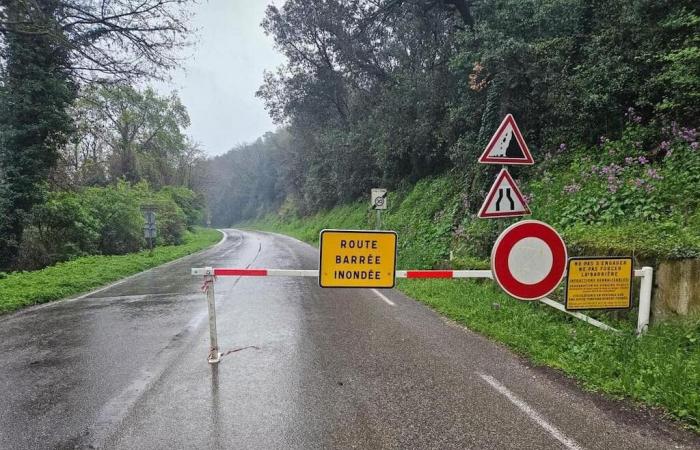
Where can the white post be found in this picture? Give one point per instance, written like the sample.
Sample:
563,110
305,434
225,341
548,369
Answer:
645,299
214,355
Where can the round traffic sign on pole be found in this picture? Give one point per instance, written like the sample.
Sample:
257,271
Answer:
528,260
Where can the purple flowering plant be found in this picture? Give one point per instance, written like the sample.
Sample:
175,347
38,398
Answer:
645,174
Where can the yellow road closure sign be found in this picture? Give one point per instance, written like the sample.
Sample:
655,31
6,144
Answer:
599,283
353,258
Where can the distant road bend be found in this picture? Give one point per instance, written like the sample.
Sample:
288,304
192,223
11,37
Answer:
305,368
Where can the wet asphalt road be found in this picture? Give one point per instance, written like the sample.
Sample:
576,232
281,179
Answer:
126,368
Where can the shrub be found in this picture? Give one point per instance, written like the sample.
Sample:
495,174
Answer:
61,228
104,220
171,221
117,209
190,202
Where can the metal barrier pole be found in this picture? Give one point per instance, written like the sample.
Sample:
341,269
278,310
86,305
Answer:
578,315
214,355
645,299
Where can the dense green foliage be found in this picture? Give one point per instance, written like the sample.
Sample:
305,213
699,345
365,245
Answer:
128,151
384,93
21,289
35,93
247,182
609,199
104,220
621,198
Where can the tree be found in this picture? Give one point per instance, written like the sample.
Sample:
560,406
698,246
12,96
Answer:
50,46
365,91
122,39
130,134
35,93
250,180
390,91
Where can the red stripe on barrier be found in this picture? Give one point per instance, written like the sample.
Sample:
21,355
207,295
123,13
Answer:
240,272
429,274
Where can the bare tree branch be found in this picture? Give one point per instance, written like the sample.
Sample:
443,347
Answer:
116,40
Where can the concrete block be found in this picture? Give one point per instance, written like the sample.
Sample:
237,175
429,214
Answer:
677,290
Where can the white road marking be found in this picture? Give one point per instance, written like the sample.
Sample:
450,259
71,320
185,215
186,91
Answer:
532,414
384,297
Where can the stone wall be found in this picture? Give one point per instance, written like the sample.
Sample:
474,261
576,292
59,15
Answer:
676,289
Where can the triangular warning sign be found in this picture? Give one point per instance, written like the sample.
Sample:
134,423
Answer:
507,146
504,199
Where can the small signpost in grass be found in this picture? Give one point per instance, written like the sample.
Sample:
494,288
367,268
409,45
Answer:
149,228
378,203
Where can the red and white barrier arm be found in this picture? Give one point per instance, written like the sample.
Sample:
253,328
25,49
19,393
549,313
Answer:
232,272
413,274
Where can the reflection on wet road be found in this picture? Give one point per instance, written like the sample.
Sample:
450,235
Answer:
305,368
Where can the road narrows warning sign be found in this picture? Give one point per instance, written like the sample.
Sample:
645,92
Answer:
507,146
357,259
504,199
599,283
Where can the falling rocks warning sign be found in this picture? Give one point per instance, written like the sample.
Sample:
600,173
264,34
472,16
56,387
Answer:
599,283
354,258
507,146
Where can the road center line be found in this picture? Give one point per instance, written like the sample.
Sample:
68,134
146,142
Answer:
384,297
532,414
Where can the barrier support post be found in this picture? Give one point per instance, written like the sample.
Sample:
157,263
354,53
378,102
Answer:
644,300
214,355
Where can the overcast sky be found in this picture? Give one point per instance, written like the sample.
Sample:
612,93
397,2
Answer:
224,70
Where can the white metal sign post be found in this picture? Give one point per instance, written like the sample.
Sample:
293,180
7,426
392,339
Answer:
149,228
378,203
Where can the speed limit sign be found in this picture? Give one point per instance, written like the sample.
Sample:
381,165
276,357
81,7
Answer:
378,198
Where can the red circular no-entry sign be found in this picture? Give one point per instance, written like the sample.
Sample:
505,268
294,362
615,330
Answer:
528,260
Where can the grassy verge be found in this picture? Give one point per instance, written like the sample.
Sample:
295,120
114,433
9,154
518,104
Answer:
660,369
21,289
